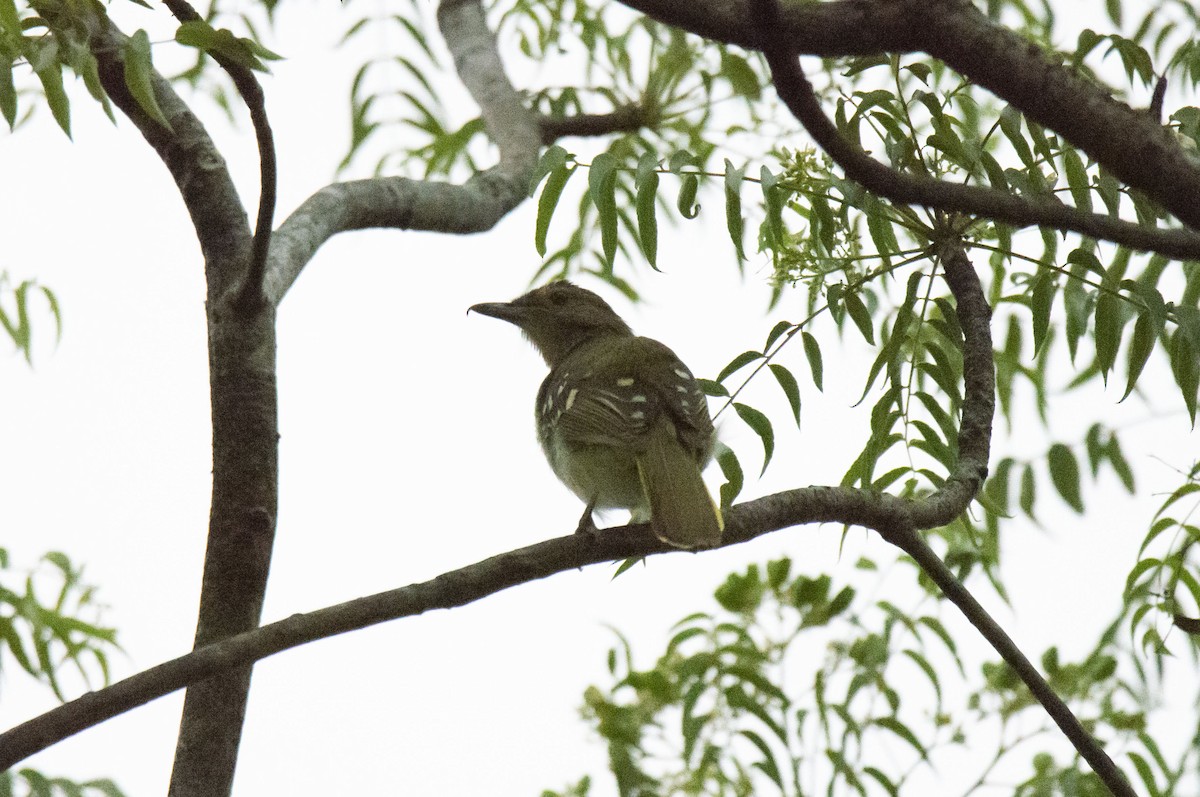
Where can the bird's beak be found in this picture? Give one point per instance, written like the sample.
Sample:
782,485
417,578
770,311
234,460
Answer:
505,311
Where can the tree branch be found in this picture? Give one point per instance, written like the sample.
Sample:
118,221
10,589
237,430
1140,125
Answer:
797,94
244,416
978,400
455,588
1142,154
247,84
400,203
626,119
979,395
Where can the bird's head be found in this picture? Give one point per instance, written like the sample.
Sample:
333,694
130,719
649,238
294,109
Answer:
557,317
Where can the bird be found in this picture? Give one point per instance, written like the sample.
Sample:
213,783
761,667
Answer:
622,421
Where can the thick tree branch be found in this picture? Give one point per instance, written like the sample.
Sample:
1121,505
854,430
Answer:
400,203
798,95
455,588
1130,143
242,389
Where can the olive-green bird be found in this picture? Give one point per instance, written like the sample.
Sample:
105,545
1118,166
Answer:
621,420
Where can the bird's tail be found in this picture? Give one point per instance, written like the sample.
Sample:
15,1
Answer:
682,512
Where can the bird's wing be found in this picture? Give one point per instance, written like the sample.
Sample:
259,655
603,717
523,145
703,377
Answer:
622,391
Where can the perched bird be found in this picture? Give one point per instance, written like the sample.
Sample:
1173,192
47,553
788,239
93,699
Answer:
621,420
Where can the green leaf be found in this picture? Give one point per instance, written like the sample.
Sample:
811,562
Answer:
646,183
883,780
740,75
50,76
1010,125
8,93
1077,179
222,43
1114,9
10,20
88,68
773,199
776,331
900,729
859,315
139,71
1108,331
1186,369
602,183
559,173
626,564
1145,773
741,361
688,186
1116,458
1064,473
761,425
812,351
732,470
1045,286
1145,335
1028,494
733,207
879,225
777,572
790,388
768,765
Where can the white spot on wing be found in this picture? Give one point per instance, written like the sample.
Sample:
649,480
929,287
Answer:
571,397
625,382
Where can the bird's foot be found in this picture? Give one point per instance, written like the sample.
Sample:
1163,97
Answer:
587,525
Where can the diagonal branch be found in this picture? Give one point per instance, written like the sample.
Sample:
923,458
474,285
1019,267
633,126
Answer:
451,589
400,203
1128,142
798,95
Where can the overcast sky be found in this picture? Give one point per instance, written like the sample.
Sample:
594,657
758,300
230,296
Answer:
408,449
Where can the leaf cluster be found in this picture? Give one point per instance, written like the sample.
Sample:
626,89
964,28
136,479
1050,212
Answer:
49,619
793,682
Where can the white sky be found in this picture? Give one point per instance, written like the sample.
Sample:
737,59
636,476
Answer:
383,379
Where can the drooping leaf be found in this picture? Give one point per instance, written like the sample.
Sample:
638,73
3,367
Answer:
859,315
646,184
761,425
790,388
731,469
1145,334
1064,474
139,71
559,172
812,351
1186,369
733,207
602,183
1108,331
1041,300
